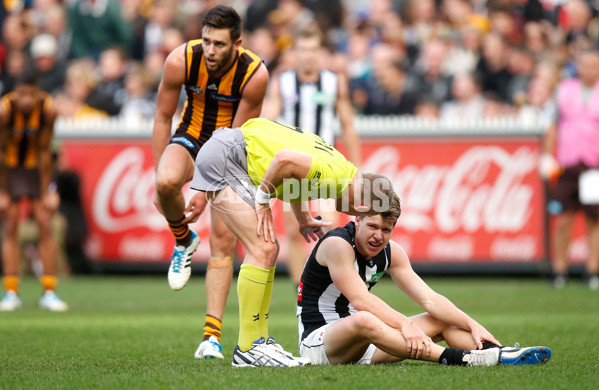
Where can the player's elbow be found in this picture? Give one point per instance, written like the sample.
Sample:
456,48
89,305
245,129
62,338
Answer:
285,162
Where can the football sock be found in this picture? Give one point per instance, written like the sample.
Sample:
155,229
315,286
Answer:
48,282
181,232
251,284
453,357
265,308
212,327
11,283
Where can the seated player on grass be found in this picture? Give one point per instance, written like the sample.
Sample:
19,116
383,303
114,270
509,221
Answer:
340,321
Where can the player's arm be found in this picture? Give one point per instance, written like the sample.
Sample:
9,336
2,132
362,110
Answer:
338,255
310,228
273,103
173,77
252,97
46,161
346,118
4,135
435,304
286,164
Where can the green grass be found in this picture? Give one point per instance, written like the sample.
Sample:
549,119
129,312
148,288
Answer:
134,333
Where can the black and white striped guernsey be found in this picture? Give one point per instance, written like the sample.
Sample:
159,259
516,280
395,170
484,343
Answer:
310,106
319,301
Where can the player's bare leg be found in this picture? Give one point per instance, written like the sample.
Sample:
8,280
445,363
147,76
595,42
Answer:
592,266
47,250
218,283
10,258
174,170
347,339
241,219
561,242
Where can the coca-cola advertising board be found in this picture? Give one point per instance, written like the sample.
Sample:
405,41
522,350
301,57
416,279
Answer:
463,199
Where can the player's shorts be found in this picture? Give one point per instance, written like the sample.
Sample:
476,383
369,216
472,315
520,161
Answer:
564,197
312,347
190,143
23,183
222,162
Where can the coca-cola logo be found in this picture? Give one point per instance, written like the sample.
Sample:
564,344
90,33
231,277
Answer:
123,199
482,189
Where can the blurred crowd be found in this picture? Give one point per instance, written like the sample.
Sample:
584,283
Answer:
455,59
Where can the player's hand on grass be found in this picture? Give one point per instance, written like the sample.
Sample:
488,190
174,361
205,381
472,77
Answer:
312,228
418,344
195,207
266,225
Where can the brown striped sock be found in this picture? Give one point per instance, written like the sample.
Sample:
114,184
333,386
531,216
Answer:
212,327
181,232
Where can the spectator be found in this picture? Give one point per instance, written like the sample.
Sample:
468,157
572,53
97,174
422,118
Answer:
492,67
521,65
109,95
96,25
51,70
16,62
429,73
468,104
80,83
139,102
574,139
387,87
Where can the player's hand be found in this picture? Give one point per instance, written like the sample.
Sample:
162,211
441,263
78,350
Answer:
549,168
418,344
480,334
4,202
50,201
312,229
195,207
266,225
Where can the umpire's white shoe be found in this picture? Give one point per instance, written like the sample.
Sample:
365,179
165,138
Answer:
180,268
10,301
303,361
209,349
485,357
262,355
51,301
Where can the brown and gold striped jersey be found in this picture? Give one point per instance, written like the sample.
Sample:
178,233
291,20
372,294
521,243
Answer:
212,102
23,149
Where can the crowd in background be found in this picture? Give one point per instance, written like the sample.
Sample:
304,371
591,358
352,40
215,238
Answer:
456,59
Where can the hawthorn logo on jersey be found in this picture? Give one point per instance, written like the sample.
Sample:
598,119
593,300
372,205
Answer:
195,89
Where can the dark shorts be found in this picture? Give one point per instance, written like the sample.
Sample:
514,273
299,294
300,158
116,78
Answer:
564,197
23,183
191,144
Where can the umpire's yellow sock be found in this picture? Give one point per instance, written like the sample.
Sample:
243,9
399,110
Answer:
251,285
265,308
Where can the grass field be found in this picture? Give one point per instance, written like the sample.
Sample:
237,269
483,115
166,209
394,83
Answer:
134,333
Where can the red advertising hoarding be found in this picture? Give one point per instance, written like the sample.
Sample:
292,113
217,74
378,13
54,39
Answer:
463,199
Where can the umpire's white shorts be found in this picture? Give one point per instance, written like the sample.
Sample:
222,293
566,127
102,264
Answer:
312,347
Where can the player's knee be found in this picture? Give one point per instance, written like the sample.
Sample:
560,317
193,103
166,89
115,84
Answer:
167,184
367,324
264,250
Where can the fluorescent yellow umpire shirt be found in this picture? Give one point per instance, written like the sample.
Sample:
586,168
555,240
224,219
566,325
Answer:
330,173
